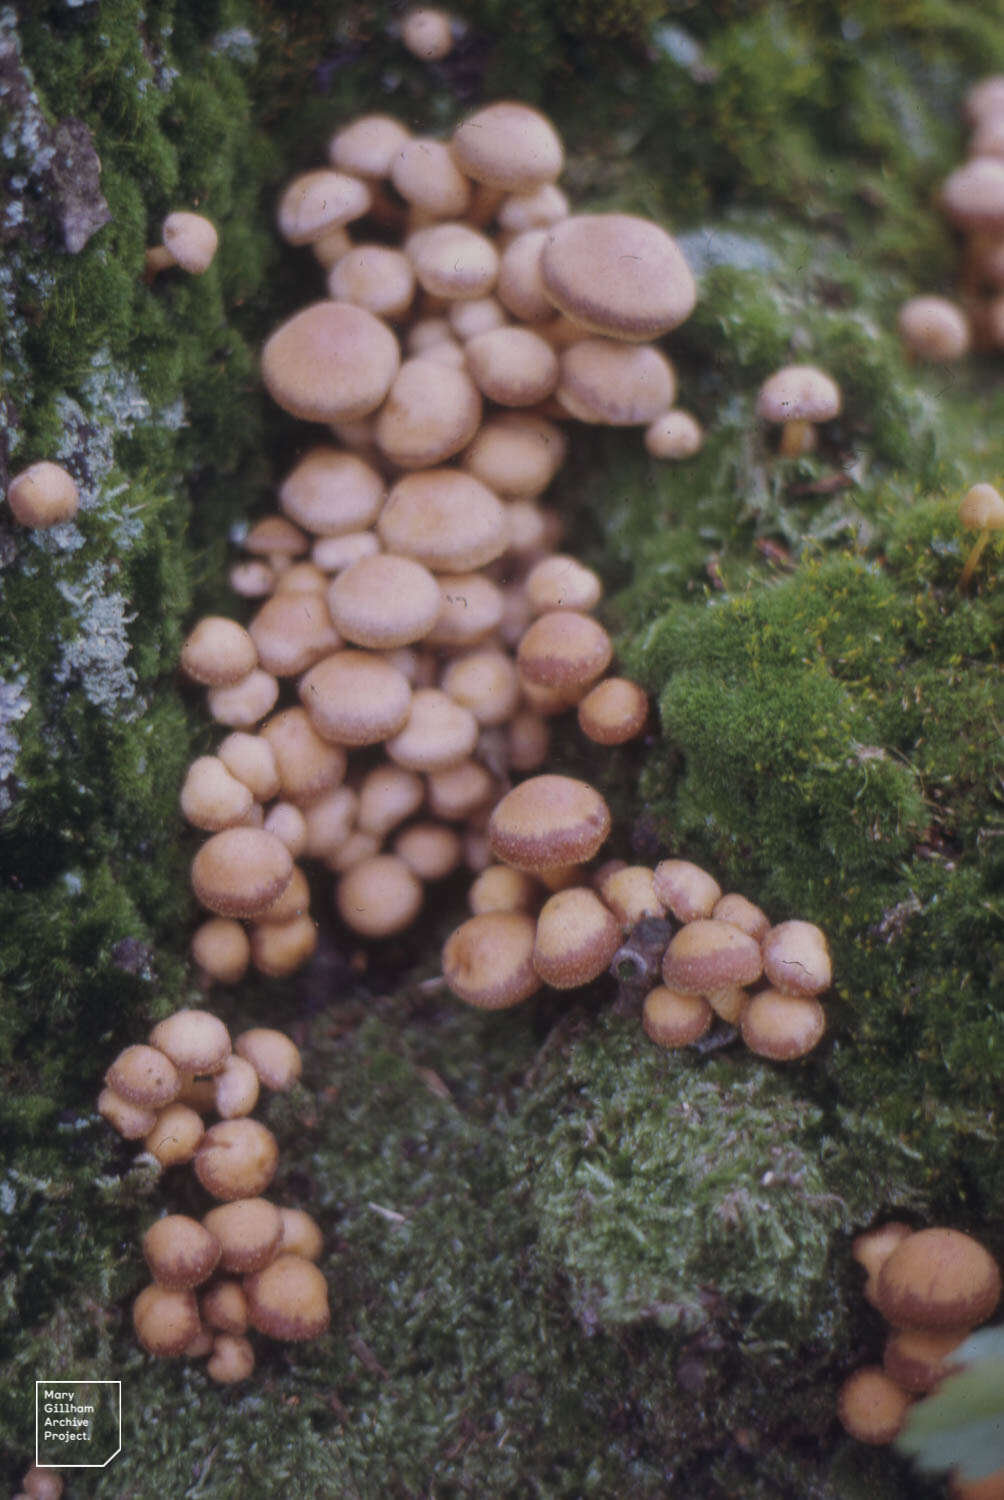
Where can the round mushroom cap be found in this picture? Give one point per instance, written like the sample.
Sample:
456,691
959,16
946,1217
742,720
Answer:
191,239
673,1020
430,850
245,703
439,733
873,1247
614,711
431,412
501,888
175,1135
617,274
685,889
43,495
356,698
934,328
180,1252
936,1279
132,1121
384,601
982,508
387,796
484,681
241,872
236,1159
799,393
916,1358
379,896
564,649
613,383
488,960
211,798
196,1041
796,958
248,1232
42,1483
453,261
676,434
577,937
973,195
471,607
366,146
317,201
273,1055
375,277
513,366
547,821
301,1235
707,955
516,454
538,208
165,1321
871,1406
742,913
425,174
330,362
144,1076
445,519
291,631
782,1027
232,1359
476,315
508,145
331,492
288,1300
218,652
520,286
629,891
275,538
427,33
235,1086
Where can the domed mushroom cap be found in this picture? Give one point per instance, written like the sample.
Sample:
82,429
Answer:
799,393
516,454
916,1358
384,601
676,434
427,33
180,1252
248,1232
673,1020
165,1321
43,495
331,362
431,412
707,954
288,1300
376,277
241,872
577,936
445,519
796,958
871,1406
617,274
331,492
453,261
508,145
218,652
938,1278
982,508
934,328
144,1076
973,195
317,201
425,174
782,1027
366,147
513,366
356,698
488,960
564,649
613,383
439,733
685,889
196,1041
192,241
379,896
548,821
236,1159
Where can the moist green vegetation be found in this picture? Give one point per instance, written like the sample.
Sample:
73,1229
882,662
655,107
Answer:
562,1262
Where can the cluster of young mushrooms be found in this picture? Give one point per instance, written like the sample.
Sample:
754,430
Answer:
248,1264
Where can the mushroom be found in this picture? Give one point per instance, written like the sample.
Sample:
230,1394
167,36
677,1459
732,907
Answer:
218,653
981,509
165,1321
798,397
232,1359
356,698
488,960
508,145
221,950
275,1058
248,1232
180,1252
144,1076
316,202
175,1134
43,495
577,936
445,519
938,1279
331,362
379,896
933,328
288,1300
676,434
195,1040
671,1019
548,821
301,1235
615,384
236,1159
566,650
871,1406
613,712
685,889
188,240
708,954
780,1026
796,958
618,275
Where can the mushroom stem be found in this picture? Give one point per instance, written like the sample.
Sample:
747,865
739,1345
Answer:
797,438
973,559
158,258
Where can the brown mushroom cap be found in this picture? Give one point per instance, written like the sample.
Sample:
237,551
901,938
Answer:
577,936
375,277
175,1134
241,871
429,415
236,1159
43,495
165,1321
873,1247
384,601
488,960
191,239
742,913
629,891
615,384
308,764
144,1076
445,519
871,1406
471,607
273,1055
218,652
614,711
485,682
989,1488
782,1027
180,1252
799,393
330,362
516,454
211,798
508,145
548,821
291,631
288,1300
367,145
796,958
331,492
564,649
387,796
513,366
501,888
356,698
934,328
42,1483
427,33
937,1279
301,1235
132,1121
317,201
275,537
379,896
706,955
618,275
246,703
674,1020
916,1358
431,850
562,582
232,1359
196,1041
686,890
248,1232
982,508
439,733
280,948
453,261
235,1087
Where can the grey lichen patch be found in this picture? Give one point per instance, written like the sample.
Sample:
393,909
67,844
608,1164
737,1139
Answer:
96,658
14,706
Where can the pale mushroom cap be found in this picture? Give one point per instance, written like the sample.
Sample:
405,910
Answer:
629,891
144,1076
934,328
330,362
476,315
388,795
236,1159
276,538
564,649
218,652
430,850
547,821
317,201
614,711
538,208
308,764
685,889
333,553
375,277
676,434
385,601
366,146
379,896
132,1121
520,285
938,1278
331,492
252,579
508,145
329,821
248,1232
273,1055
516,454
191,239
288,1300
251,760
453,261
301,1235
973,195
424,172
796,958
618,275
43,495
799,393
782,1027
445,519
671,1019
487,961
513,366
196,1041
460,791
431,413
501,888
280,948
165,1321
180,1252
175,1135
439,733
484,681
211,798
613,383
356,698
235,1089
245,703
707,954
471,607
871,1407
982,508
232,1359
873,1247
291,631
241,871
576,938
427,33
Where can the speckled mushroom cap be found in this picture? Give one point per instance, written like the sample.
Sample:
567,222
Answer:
614,711
355,698
43,495
671,1019
617,274
685,889
241,871
248,1232
439,733
982,508
508,145
384,601
288,1300
180,1251
330,362
366,147
577,936
796,958
782,1027
706,955
196,1041
614,384
431,413
331,492
487,961
547,821
871,1406
191,239
144,1076
236,1159
798,393
445,519
379,896
933,328
973,195
938,1278
317,201
564,649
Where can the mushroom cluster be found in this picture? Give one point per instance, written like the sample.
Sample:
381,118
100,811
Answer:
540,917
415,628
933,1287
252,1262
